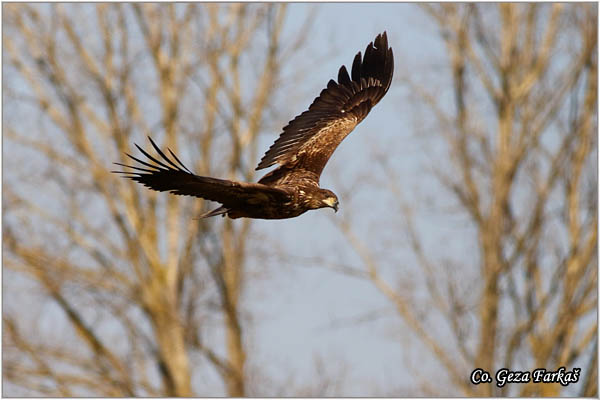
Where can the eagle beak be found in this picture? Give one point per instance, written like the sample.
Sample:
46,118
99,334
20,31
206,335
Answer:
332,203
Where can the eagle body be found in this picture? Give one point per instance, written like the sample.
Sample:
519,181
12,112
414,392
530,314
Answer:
301,199
301,151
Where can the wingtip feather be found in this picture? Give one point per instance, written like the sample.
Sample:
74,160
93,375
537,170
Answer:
368,81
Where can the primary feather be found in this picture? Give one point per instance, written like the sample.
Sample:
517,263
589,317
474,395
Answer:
164,175
309,139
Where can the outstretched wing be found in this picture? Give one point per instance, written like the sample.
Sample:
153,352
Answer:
310,139
168,176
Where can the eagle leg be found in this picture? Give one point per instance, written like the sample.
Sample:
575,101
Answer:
218,211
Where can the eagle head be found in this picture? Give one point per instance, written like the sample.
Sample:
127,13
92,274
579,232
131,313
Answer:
328,199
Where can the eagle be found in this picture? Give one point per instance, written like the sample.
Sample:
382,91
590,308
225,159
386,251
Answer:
301,151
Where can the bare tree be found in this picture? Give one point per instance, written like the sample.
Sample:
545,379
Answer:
136,291
520,140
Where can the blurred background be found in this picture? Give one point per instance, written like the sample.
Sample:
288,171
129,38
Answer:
466,238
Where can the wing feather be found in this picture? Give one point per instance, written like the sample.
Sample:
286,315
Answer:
164,175
310,138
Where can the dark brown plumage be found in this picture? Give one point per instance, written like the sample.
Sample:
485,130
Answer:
301,151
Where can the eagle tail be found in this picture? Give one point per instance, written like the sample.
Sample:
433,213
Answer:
218,211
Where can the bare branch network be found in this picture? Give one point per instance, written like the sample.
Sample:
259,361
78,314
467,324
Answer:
113,290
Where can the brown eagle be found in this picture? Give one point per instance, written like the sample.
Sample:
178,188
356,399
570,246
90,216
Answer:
301,151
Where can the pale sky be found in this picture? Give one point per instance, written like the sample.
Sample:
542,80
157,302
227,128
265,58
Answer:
296,322
302,311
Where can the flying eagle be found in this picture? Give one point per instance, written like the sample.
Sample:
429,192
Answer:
301,151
